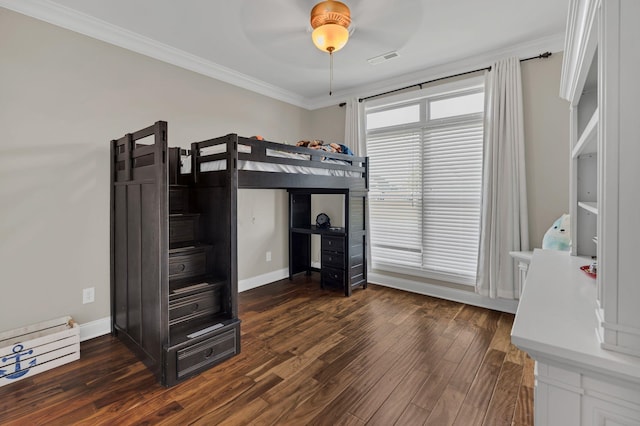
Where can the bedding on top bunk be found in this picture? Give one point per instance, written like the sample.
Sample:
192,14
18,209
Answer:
185,167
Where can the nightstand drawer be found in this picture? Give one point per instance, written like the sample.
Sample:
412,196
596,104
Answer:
333,259
331,243
332,277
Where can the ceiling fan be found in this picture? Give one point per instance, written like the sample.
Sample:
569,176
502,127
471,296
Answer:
283,30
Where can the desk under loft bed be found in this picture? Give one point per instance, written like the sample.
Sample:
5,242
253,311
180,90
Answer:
174,277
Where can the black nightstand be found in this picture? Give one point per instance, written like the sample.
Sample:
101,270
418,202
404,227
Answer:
333,261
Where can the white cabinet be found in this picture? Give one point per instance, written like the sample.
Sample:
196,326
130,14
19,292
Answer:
600,80
578,382
585,117
564,397
583,333
580,87
619,205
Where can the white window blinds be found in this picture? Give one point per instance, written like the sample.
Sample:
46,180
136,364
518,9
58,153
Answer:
424,194
452,183
395,197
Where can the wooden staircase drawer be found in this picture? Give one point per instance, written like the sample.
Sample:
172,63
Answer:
182,229
178,200
195,306
333,259
187,265
206,353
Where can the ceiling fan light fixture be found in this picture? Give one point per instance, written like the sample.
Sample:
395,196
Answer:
330,21
330,37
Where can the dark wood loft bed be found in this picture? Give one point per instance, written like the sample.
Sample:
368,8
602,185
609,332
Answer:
266,152
174,271
234,152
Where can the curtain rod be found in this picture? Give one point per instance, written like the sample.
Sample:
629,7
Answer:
540,56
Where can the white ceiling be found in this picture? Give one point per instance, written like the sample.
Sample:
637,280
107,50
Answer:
265,45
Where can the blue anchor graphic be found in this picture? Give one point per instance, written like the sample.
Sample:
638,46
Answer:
17,373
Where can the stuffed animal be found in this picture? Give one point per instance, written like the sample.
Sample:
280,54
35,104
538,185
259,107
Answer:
314,144
558,236
332,147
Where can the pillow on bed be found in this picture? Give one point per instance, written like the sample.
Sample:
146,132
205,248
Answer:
345,150
340,148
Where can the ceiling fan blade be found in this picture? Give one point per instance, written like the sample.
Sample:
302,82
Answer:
374,37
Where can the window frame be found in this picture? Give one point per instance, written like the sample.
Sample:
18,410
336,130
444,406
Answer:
398,106
443,91
423,97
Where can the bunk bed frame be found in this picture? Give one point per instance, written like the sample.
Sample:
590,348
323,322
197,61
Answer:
355,167
174,271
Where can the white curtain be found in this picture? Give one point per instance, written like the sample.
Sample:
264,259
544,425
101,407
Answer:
353,129
504,222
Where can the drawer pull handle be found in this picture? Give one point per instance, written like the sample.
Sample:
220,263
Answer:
181,267
208,353
195,307
330,258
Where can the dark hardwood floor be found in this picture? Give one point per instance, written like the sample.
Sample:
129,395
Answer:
309,356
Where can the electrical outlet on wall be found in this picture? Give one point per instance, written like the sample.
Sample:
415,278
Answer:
88,295
268,256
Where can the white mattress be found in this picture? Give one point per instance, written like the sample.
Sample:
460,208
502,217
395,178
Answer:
265,167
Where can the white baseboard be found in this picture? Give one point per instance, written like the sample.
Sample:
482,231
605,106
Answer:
260,280
102,326
467,297
95,328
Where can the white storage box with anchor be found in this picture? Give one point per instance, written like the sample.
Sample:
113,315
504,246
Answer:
36,348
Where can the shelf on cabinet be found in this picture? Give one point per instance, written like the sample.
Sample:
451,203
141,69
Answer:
587,142
590,206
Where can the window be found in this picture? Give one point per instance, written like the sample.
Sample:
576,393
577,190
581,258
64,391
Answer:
425,159
394,116
456,106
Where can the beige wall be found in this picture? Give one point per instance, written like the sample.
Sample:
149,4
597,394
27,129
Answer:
546,131
328,123
63,96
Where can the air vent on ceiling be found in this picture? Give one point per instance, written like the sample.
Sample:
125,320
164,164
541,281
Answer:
382,58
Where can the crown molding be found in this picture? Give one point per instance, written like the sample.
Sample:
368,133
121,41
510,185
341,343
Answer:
580,47
553,44
61,16
87,25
